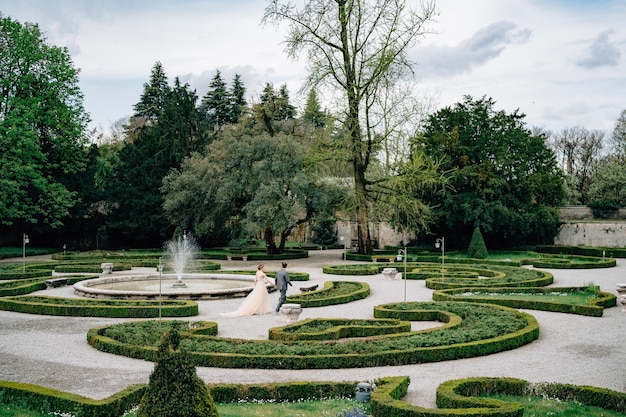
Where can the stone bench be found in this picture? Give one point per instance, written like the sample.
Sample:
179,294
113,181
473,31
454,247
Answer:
56,282
307,289
290,312
243,257
107,267
389,258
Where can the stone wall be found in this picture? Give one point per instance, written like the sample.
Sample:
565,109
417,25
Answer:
609,234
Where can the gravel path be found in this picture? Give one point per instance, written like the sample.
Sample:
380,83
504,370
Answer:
53,352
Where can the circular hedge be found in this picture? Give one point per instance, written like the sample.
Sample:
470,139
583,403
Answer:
470,330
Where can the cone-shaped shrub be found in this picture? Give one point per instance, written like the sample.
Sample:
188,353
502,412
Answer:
477,248
175,390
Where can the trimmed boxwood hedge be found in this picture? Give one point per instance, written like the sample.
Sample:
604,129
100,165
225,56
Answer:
385,401
596,251
334,292
454,398
471,330
47,400
335,329
281,392
462,397
79,307
594,309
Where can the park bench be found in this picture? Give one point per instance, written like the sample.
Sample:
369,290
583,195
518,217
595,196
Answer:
242,256
389,258
310,288
56,282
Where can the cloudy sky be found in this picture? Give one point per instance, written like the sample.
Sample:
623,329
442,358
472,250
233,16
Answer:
561,62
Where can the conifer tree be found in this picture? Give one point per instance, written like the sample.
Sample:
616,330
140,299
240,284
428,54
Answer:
215,107
155,93
477,248
175,390
313,111
237,100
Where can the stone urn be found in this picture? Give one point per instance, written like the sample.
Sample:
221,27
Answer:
390,273
290,312
107,267
621,295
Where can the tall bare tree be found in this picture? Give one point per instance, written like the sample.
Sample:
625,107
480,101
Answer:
359,49
579,150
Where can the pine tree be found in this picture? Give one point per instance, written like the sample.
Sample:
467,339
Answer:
215,107
237,100
313,113
175,390
154,95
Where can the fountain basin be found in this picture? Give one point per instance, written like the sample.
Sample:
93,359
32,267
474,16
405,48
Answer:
146,287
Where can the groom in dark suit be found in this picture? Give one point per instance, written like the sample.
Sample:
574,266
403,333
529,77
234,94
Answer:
282,280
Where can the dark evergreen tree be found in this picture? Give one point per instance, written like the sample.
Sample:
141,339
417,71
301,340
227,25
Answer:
273,108
237,99
477,248
175,390
155,92
215,107
313,113
284,109
136,214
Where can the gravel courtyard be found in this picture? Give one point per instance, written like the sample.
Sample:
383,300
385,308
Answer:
53,351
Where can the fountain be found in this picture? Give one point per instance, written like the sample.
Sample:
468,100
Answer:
137,284
181,251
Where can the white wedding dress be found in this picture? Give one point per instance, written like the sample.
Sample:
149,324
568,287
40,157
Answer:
257,302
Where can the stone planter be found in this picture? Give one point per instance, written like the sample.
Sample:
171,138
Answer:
621,295
290,312
390,273
107,267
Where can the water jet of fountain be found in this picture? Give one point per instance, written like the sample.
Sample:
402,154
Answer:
181,251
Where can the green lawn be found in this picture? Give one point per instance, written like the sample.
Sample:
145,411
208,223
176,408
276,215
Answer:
331,408
542,407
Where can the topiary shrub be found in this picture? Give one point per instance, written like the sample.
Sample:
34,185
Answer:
477,248
175,390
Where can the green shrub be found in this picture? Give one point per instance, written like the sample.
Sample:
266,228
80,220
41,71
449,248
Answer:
477,248
175,390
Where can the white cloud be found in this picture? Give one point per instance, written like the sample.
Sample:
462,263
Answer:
601,52
558,61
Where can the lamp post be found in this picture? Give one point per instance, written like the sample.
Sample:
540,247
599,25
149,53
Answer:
25,240
160,267
441,243
402,256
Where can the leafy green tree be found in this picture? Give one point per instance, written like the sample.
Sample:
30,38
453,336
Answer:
359,49
42,129
618,138
505,179
608,189
477,248
155,92
175,390
255,185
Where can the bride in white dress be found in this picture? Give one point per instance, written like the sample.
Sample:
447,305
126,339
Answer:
257,302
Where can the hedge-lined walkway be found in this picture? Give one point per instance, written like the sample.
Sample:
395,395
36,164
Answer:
53,351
